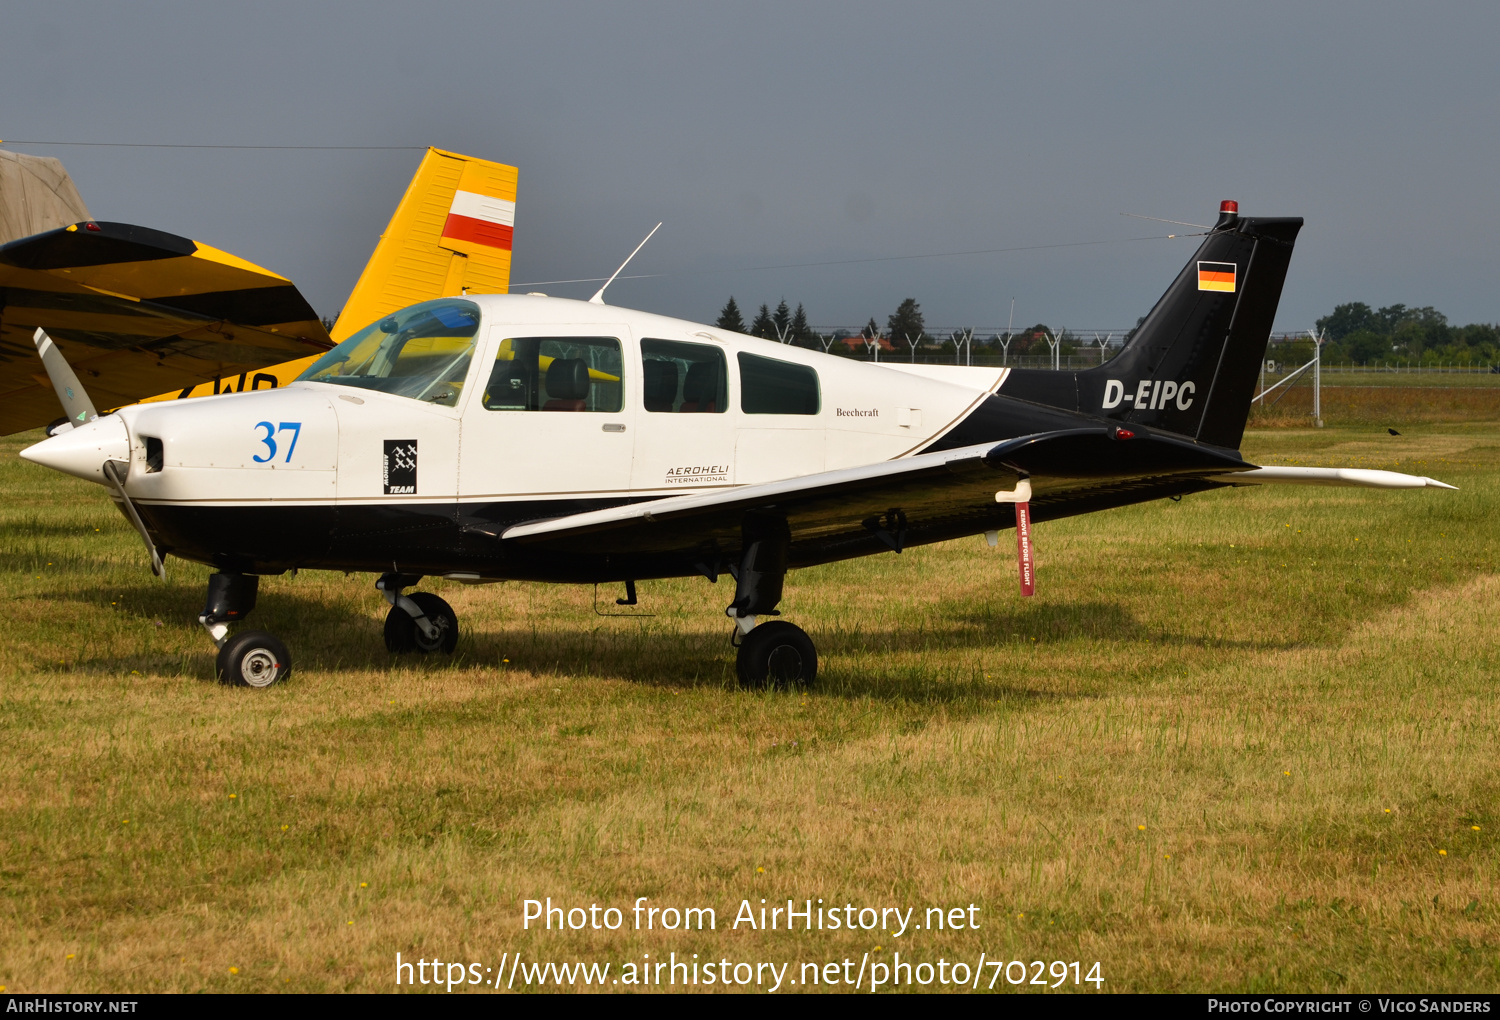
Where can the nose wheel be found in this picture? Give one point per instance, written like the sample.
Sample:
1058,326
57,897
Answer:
253,658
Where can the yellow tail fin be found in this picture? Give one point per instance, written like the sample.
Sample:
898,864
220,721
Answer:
450,234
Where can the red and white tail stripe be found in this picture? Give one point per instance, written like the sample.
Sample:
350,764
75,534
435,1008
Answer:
480,219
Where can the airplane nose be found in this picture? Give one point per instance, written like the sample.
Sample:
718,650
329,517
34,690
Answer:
82,451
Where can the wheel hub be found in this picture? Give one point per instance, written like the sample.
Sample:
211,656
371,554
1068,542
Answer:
433,644
259,667
784,665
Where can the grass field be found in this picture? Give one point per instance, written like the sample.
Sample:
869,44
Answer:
1400,380
1382,406
1242,742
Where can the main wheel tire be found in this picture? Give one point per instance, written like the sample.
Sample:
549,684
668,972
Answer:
402,634
253,658
778,655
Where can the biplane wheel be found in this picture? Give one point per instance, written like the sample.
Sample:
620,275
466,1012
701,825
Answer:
402,634
777,655
253,658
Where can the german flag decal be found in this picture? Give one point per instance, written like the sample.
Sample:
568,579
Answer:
1216,276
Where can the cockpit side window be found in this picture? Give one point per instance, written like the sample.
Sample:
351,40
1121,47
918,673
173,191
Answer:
556,373
768,386
422,352
684,378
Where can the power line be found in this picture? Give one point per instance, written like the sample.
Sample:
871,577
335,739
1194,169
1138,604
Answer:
173,145
852,262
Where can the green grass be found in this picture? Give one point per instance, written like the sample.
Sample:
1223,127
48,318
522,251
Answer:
1222,748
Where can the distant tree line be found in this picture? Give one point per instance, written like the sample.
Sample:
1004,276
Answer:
1355,333
1364,335
904,329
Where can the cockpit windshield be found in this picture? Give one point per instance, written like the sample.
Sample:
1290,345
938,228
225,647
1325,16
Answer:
422,352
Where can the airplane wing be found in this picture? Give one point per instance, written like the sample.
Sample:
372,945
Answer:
915,499
927,497
134,310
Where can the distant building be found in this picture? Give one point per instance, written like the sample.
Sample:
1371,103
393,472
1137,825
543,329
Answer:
859,345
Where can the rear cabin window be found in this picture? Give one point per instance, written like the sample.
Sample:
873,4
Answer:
684,378
768,386
556,373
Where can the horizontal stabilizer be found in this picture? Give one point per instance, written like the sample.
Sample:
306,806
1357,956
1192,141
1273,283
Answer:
1358,477
136,310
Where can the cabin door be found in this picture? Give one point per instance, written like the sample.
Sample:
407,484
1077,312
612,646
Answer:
552,418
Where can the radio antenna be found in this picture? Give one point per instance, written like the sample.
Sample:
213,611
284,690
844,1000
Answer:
598,299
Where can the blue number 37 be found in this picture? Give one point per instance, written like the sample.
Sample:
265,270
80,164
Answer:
295,427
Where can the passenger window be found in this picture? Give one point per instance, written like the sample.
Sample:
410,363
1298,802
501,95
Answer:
768,386
684,378
556,373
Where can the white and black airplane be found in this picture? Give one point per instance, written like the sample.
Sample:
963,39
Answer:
494,437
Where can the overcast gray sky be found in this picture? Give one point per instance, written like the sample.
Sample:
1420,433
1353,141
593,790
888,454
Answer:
766,134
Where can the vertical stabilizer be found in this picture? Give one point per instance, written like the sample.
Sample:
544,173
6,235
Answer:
36,195
451,233
1190,367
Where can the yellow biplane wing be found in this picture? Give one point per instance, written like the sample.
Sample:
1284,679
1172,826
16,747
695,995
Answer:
133,310
450,234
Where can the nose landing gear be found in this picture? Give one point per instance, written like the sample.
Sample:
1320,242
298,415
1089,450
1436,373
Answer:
251,658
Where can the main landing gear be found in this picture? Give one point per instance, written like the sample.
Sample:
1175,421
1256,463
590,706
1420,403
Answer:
775,654
420,622
251,658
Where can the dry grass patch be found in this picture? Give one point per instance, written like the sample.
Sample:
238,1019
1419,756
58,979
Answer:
1384,405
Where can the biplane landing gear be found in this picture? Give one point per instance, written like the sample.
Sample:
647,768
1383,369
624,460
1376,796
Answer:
776,654
420,622
251,658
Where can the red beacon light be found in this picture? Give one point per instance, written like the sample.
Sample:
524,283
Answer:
1229,205
91,226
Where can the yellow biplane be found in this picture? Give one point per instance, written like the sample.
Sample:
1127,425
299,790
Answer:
143,315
